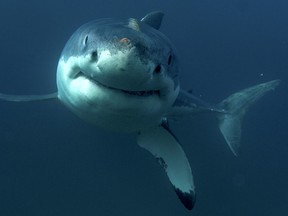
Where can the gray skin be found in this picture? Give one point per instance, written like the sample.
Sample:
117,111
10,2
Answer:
122,75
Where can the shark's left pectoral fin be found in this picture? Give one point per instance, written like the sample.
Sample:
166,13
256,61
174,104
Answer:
167,150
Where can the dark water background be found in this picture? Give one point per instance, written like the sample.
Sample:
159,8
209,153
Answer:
54,164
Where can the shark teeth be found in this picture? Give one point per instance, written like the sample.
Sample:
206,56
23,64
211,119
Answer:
132,93
142,93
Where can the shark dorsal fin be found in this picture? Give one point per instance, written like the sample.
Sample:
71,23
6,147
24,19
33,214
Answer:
153,19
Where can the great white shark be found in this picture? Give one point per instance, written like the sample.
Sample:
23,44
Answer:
123,75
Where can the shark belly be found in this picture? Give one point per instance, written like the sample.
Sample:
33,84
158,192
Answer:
109,108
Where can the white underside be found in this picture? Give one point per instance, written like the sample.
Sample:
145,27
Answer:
107,107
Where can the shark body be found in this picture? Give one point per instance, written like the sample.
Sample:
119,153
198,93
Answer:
122,75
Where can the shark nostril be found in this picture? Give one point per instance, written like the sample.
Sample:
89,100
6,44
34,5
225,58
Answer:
94,56
158,69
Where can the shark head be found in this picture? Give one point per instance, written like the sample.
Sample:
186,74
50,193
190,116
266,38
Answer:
119,74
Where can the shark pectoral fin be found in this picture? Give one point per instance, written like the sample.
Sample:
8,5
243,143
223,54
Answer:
166,148
235,107
28,98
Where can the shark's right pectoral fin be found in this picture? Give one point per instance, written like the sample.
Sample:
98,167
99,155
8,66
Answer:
165,147
28,98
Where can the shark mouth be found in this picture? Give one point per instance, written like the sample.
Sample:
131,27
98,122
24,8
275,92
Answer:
145,93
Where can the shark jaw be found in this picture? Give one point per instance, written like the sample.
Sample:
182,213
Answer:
144,93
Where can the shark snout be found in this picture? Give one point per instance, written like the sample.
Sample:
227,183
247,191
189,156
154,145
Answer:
124,70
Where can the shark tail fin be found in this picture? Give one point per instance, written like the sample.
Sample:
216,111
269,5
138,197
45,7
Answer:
28,98
234,108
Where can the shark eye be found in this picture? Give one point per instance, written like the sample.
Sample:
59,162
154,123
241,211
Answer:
169,59
85,40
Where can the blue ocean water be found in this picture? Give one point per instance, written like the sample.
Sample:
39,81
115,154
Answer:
52,163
